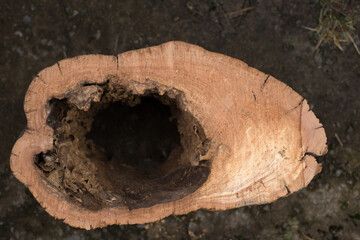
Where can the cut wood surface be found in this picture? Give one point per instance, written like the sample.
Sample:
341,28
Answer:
248,137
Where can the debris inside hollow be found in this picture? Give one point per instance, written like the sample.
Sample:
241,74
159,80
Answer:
94,177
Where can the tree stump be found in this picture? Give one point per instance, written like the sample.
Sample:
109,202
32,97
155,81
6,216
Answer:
169,129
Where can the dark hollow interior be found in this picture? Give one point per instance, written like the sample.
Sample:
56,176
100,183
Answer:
126,149
141,136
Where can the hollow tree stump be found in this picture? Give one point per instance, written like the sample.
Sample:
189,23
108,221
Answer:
163,130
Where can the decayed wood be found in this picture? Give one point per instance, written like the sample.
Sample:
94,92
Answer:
263,135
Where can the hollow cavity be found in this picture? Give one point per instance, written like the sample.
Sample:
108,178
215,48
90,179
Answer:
117,147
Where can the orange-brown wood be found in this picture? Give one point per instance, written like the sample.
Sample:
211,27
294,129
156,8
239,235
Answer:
264,137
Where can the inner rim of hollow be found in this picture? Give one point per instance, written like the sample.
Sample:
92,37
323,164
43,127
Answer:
115,146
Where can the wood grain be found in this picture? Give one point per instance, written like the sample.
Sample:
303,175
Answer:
264,137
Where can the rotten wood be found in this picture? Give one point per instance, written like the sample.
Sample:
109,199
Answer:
255,137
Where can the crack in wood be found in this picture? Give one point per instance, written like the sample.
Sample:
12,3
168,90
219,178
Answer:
308,154
254,95
311,154
302,158
263,85
294,108
117,62
85,84
57,63
287,188
40,79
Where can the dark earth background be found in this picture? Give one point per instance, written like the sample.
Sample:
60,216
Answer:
270,37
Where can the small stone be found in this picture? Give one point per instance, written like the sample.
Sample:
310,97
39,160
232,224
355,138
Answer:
20,51
97,35
297,210
75,12
27,19
18,33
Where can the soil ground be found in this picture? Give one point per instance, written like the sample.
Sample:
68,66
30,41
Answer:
35,34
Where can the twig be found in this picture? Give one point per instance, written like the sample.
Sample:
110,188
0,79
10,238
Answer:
178,219
339,140
230,14
353,42
320,41
309,28
225,15
306,236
